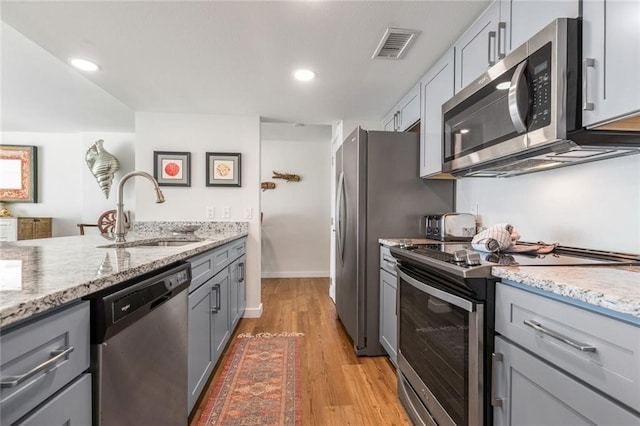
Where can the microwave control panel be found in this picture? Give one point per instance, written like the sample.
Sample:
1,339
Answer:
539,69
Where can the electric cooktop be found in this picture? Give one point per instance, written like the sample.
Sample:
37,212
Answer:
463,260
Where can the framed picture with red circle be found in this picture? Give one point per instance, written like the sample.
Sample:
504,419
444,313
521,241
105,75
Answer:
172,168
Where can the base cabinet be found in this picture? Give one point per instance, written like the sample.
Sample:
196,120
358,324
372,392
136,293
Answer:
531,392
556,363
237,290
388,314
43,365
388,304
217,300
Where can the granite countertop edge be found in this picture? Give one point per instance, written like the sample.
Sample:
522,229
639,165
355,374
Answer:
17,307
614,288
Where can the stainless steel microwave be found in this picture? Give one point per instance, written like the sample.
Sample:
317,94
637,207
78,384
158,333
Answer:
525,114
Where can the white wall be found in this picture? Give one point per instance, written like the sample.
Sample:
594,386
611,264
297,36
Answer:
198,134
296,225
594,205
67,191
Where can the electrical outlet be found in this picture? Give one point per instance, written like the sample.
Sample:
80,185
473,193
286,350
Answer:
210,212
474,210
248,213
226,212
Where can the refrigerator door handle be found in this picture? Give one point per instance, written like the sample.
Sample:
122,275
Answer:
339,217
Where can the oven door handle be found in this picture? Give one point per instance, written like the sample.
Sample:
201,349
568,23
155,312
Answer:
443,295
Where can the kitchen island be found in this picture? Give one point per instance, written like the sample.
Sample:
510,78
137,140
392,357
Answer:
39,275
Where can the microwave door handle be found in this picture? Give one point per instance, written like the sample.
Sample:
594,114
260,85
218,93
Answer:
514,88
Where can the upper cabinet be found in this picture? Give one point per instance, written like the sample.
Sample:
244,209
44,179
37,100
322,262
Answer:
437,88
504,26
482,45
611,42
528,17
405,114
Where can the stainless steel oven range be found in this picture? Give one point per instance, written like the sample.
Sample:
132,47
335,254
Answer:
446,328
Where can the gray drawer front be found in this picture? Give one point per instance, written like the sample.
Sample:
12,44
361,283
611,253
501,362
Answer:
613,368
208,264
26,347
228,253
201,269
70,407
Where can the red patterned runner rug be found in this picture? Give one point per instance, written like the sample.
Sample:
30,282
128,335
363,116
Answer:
259,384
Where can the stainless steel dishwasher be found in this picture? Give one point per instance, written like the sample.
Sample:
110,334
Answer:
139,350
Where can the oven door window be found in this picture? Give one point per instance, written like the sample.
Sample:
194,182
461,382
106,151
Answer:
435,337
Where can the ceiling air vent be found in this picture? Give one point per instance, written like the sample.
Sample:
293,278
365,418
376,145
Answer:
394,43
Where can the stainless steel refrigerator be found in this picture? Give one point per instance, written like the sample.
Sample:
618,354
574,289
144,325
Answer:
379,194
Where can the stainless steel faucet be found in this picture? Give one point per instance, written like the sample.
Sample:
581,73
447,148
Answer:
121,230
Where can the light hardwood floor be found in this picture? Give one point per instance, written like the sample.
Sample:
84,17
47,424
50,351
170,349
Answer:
338,388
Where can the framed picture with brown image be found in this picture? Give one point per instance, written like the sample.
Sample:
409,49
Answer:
172,168
224,169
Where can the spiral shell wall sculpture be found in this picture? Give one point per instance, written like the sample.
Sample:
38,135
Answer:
103,165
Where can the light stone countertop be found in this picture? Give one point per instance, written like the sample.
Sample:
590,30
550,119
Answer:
37,275
616,288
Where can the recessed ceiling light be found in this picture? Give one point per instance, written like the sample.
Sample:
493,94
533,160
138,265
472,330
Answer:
83,64
304,75
504,85
463,131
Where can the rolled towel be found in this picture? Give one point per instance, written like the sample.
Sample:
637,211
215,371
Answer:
495,238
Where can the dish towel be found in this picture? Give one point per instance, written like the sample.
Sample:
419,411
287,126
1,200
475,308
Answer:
498,237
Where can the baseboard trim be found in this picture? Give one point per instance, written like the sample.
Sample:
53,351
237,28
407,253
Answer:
253,312
296,274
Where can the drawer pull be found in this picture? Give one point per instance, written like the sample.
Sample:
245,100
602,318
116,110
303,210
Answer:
57,355
584,347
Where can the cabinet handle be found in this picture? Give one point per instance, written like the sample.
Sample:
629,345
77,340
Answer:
491,58
584,347
216,308
502,33
495,359
586,63
57,355
241,269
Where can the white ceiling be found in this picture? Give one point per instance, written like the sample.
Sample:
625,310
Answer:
232,57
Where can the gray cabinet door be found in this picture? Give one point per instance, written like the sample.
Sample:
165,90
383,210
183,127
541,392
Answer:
388,314
437,88
237,290
530,16
409,108
534,393
201,354
70,407
220,312
476,49
611,38
242,286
